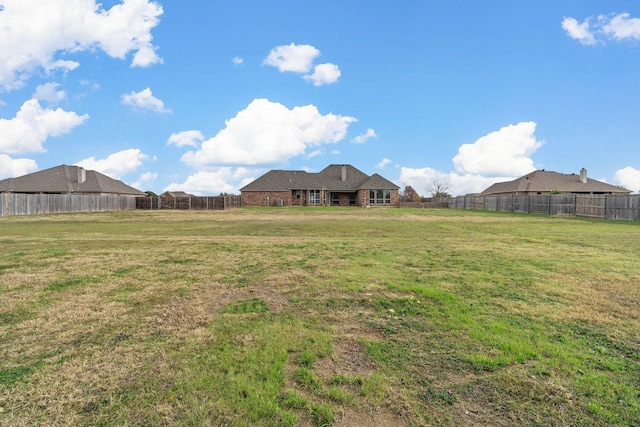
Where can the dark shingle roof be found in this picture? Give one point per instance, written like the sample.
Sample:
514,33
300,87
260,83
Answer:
379,183
330,178
278,180
547,181
67,179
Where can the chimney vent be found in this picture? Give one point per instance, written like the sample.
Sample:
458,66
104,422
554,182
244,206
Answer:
344,172
583,175
82,175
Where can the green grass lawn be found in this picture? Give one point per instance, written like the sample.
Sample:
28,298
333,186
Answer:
319,316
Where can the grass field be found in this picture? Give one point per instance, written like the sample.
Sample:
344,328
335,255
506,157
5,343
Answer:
305,316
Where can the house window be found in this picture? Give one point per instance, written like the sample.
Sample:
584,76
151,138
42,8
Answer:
314,197
379,197
352,199
335,198
297,194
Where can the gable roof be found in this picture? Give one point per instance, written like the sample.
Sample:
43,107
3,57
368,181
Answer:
547,181
330,178
378,182
67,179
175,194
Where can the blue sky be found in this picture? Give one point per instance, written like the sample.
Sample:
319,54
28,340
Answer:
205,96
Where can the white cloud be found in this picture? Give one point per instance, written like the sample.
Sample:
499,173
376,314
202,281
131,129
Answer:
237,60
222,180
48,92
629,178
459,184
420,178
186,138
145,179
148,177
267,133
35,33
323,74
578,31
10,168
299,59
504,152
145,57
295,58
361,139
383,163
619,27
144,100
116,164
32,125
502,155
66,66
315,153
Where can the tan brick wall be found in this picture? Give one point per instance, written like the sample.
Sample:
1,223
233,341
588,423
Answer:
259,198
395,198
265,198
363,198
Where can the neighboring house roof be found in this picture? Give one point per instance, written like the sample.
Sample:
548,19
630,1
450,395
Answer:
330,178
176,194
67,179
542,181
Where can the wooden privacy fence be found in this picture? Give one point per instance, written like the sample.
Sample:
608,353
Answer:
427,202
34,204
188,203
625,207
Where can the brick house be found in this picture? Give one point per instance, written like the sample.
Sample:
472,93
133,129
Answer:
335,185
548,182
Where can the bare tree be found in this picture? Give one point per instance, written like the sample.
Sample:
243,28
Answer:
439,189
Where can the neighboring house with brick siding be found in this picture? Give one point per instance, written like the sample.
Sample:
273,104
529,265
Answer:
548,182
336,185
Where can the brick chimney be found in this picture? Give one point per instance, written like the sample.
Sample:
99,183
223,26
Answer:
583,175
344,172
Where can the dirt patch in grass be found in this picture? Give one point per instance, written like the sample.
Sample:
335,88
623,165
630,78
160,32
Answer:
378,418
275,297
348,359
205,301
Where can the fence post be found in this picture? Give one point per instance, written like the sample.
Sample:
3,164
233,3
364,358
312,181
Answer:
7,206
